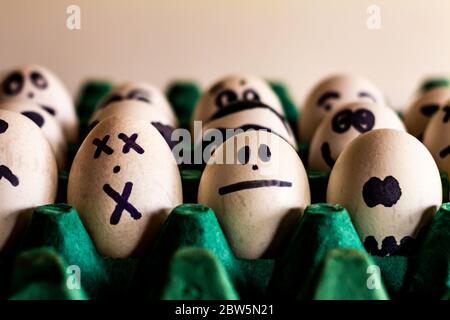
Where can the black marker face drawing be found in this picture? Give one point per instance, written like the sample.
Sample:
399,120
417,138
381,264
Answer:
243,157
14,84
429,109
228,97
362,120
121,199
381,192
122,203
130,143
102,147
6,173
3,126
326,98
446,111
390,247
134,94
35,117
444,152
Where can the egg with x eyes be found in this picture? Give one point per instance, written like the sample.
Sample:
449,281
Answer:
391,187
28,174
124,182
421,110
36,84
232,89
328,94
49,126
437,138
257,186
343,125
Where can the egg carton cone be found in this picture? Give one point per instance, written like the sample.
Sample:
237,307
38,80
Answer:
192,259
183,96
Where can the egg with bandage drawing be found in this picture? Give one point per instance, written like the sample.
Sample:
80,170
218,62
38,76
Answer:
124,182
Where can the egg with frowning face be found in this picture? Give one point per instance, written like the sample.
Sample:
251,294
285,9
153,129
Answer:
257,186
38,85
328,94
232,89
143,92
391,187
419,113
124,181
28,174
344,124
49,126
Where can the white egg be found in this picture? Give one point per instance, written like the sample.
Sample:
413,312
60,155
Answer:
437,138
124,182
328,94
342,125
390,185
420,111
28,174
257,186
143,92
37,84
231,89
49,126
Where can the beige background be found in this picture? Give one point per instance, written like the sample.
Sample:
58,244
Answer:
296,41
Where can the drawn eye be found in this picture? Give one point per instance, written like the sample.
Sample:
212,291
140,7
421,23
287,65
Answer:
13,84
244,155
139,95
225,98
429,109
264,153
111,99
38,80
251,95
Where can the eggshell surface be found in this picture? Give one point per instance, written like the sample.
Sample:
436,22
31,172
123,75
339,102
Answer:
257,186
37,84
124,182
49,126
344,124
420,111
28,174
390,185
330,93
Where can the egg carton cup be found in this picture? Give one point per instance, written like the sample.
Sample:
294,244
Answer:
191,259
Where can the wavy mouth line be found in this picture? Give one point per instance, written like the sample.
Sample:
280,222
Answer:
253,184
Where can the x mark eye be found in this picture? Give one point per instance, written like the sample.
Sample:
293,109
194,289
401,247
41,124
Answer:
130,143
102,146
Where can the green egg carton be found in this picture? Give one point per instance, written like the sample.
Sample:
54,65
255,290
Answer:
191,259
183,96
289,107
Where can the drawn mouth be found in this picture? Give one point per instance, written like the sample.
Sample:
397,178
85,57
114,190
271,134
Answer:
253,184
326,154
50,110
